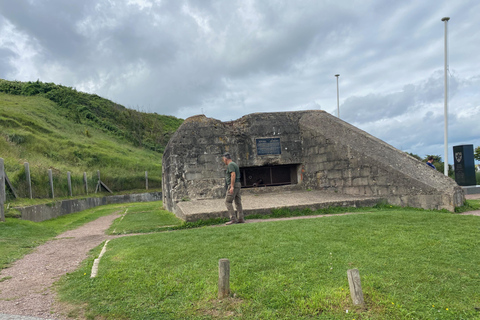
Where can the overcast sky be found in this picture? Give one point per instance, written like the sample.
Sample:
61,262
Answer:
229,58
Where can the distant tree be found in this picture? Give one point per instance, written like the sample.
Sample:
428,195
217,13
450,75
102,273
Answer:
477,153
416,156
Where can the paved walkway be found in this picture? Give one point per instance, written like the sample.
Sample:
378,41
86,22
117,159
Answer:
265,202
473,196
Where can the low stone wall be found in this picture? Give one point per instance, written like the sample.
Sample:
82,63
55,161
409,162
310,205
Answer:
44,212
471,189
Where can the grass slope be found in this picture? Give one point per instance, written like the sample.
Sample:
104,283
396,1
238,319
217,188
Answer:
37,130
143,129
413,264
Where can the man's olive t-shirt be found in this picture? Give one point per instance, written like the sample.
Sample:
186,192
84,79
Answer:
232,167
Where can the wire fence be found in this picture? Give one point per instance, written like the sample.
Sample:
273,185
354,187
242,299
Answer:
57,184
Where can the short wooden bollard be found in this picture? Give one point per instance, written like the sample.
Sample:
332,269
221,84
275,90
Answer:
29,179
2,190
355,287
223,278
50,178
69,181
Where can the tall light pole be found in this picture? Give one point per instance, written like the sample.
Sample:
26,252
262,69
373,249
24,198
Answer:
338,102
445,169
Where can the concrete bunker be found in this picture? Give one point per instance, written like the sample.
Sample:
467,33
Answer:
304,150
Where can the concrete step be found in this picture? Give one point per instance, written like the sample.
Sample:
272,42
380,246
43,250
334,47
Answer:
471,189
263,203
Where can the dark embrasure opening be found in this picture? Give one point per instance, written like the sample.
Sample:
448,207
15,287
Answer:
264,176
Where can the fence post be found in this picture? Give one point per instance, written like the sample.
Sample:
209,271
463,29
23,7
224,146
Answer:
355,286
69,180
146,180
29,179
2,191
50,178
99,187
85,182
223,278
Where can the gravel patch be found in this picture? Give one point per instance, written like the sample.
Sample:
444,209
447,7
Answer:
28,292
14,317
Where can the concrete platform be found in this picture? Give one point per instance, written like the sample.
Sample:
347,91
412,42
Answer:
263,203
471,189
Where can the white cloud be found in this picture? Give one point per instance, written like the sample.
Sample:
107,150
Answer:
19,53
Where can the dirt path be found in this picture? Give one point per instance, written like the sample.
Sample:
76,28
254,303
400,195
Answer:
28,291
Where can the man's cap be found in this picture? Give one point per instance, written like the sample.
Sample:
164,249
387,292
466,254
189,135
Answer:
227,155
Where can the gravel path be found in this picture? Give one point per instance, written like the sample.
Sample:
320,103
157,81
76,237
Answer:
27,294
28,291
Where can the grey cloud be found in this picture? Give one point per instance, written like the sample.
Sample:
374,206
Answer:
6,54
373,107
51,25
230,58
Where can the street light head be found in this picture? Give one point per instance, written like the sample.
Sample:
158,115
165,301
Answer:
446,19
337,75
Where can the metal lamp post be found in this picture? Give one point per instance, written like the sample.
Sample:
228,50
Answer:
338,102
445,170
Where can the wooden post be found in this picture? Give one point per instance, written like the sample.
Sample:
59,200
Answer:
9,184
98,182
146,180
223,278
85,182
29,179
50,177
99,186
69,181
355,286
2,191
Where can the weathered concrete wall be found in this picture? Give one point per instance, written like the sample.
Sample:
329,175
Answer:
49,211
353,162
331,155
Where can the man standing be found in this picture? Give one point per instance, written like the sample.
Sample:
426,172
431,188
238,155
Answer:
232,178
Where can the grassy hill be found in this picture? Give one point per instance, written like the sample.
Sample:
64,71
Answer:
56,127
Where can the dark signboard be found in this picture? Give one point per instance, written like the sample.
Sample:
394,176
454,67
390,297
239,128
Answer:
464,165
266,146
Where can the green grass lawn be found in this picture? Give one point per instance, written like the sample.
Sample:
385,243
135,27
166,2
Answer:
142,218
413,264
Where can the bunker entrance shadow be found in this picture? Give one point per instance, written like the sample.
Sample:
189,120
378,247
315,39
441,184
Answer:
272,175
